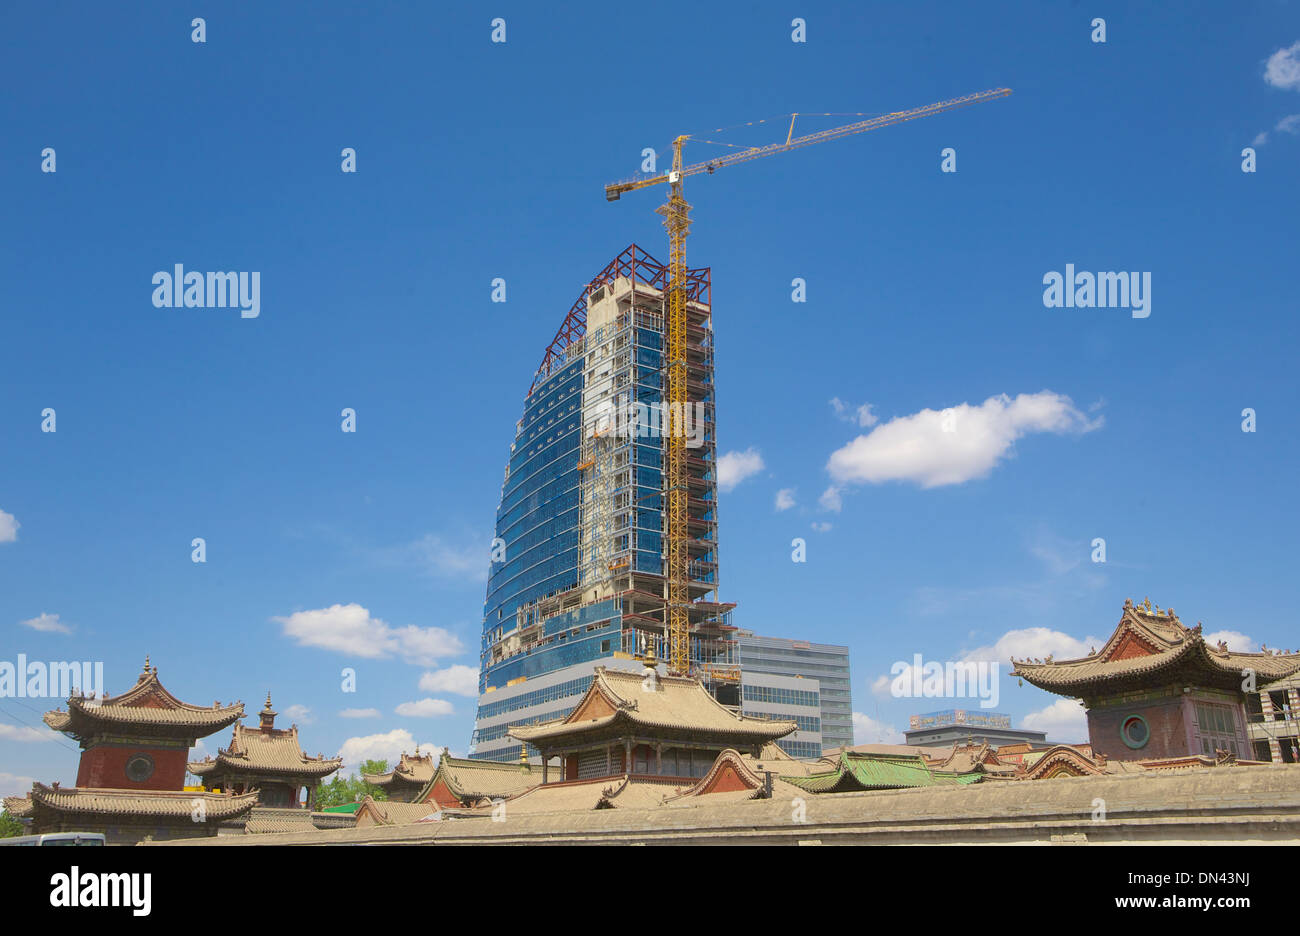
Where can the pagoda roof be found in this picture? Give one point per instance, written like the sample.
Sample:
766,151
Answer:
470,780
621,702
1149,648
411,768
147,707
265,751
166,804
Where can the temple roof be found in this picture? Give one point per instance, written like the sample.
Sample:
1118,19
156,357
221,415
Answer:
265,750
389,812
169,804
469,779
411,768
621,792
879,772
1149,648
146,708
618,701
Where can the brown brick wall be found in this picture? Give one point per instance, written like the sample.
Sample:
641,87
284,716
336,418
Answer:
104,766
1165,718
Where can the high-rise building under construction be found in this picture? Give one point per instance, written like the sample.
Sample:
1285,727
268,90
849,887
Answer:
577,575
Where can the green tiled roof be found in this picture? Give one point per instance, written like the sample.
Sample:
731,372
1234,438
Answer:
345,808
877,772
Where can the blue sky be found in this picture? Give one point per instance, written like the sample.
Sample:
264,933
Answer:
479,160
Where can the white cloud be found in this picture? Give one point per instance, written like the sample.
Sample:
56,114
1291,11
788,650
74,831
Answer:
934,448
1026,643
460,679
1290,124
821,527
1260,139
350,629
784,499
862,415
831,500
1035,643
8,527
1235,640
15,784
298,715
881,686
424,708
359,713
1065,721
388,747
447,561
48,624
866,730
23,733
735,467
1283,68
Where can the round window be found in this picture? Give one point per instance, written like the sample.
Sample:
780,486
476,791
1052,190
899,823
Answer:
139,768
1135,731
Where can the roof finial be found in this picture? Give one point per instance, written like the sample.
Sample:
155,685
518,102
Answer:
146,663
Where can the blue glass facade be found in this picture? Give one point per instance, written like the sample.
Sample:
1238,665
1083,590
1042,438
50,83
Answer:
538,516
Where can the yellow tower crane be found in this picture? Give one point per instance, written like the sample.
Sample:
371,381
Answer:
677,219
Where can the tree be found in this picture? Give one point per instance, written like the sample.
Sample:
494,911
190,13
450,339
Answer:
352,789
9,826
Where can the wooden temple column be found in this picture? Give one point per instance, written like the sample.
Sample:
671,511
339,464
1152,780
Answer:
627,755
659,758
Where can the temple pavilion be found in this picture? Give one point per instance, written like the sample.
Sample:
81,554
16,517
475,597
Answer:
645,724
405,781
130,780
269,760
1157,689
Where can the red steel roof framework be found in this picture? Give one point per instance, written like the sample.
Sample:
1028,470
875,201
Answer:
635,264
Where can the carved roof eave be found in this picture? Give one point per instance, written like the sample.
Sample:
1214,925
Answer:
141,803
620,726
225,763
625,721
1192,662
87,717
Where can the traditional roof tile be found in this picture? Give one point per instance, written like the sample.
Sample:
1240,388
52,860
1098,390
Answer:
470,780
268,820
159,803
618,698
265,750
145,706
1147,646
879,772
411,768
390,812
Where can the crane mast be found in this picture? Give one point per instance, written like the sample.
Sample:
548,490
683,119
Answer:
677,220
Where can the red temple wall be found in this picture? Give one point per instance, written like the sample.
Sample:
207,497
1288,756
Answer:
442,795
104,766
1166,718
727,781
